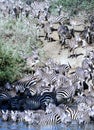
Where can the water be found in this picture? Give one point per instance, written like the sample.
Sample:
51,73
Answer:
22,126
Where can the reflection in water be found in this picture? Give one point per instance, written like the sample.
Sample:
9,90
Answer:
22,126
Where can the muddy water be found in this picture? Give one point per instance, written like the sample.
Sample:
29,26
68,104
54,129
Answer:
22,126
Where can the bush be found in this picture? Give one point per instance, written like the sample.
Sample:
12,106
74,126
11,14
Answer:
11,65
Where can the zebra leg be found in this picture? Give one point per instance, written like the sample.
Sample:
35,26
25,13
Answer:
60,50
62,42
46,36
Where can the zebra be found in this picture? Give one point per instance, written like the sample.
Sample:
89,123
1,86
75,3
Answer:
47,31
4,99
49,77
65,94
63,80
81,77
62,30
91,19
4,96
38,101
64,33
14,115
85,34
80,115
87,64
17,10
59,10
62,69
17,102
21,85
27,11
87,99
32,103
5,115
46,98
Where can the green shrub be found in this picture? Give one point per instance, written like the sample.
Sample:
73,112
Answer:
11,66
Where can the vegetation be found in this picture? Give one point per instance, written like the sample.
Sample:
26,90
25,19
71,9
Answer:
17,40
73,6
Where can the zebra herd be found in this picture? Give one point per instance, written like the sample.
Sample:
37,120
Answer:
41,12
52,95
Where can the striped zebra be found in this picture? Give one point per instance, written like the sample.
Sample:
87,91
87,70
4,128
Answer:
5,115
87,64
80,78
62,30
64,33
32,103
4,96
21,85
89,100
49,78
79,115
46,98
16,103
62,69
49,120
63,80
47,31
39,101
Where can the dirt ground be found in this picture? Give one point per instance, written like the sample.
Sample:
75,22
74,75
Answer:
51,49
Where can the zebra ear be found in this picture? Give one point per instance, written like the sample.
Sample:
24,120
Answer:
25,112
12,112
3,111
6,111
69,65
